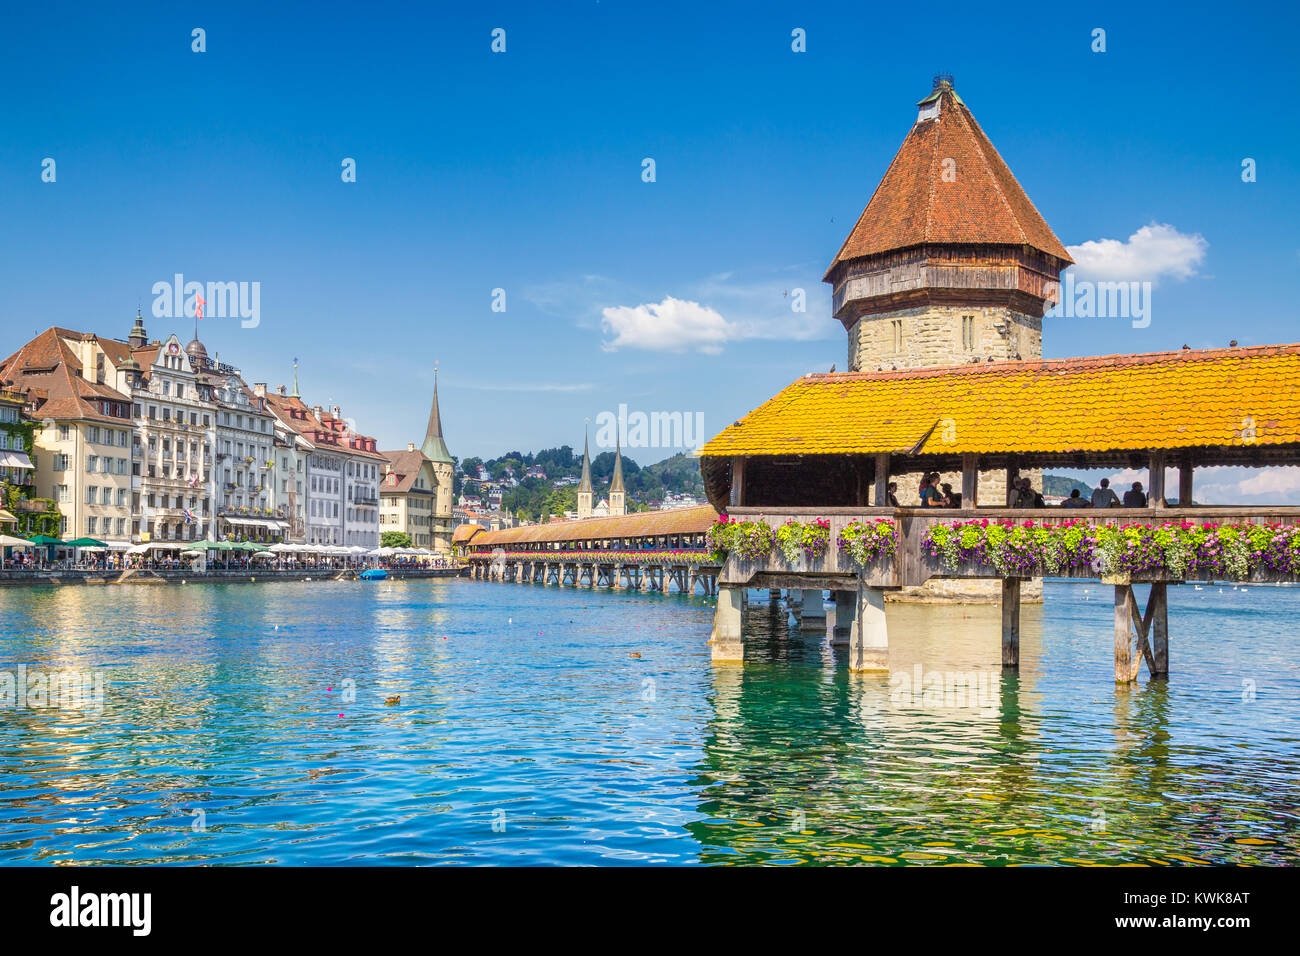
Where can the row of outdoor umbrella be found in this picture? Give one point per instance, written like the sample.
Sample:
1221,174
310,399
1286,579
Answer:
41,540
195,548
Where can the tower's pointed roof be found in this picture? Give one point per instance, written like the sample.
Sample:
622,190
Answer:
947,185
138,337
294,393
434,447
616,483
585,484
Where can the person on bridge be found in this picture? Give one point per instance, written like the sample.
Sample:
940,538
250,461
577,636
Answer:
1103,497
1135,497
953,498
931,497
1075,501
891,491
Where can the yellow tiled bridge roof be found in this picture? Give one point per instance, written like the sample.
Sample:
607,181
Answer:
1158,400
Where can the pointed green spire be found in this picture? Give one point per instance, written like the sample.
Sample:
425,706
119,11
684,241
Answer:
585,484
616,483
434,447
294,393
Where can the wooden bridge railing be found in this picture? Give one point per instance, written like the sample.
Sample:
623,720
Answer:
911,566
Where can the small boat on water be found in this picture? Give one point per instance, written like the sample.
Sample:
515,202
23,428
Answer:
374,574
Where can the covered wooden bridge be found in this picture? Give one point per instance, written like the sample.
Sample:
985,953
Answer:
647,550
828,445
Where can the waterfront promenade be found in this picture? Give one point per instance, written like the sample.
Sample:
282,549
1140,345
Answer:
211,575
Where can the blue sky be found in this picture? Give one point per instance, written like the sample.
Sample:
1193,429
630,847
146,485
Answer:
522,171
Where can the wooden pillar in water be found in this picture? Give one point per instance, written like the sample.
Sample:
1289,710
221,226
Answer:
1011,622
846,612
1158,612
813,615
1123,634
869,635
727,639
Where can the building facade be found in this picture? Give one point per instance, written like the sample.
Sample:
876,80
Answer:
408,496
244,489
82,439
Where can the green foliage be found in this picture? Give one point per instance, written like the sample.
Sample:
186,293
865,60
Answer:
804,539
869,541
748,539
537,499
395,539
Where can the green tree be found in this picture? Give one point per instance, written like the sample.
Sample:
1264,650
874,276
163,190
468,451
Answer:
395,539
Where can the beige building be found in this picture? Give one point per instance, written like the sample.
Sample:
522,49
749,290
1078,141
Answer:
82,453
408,496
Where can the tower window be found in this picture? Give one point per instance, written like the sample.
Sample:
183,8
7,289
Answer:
897,327
968,332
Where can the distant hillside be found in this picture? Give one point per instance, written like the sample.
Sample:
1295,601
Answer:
1061,485
535,498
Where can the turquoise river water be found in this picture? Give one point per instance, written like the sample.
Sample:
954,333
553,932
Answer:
248,724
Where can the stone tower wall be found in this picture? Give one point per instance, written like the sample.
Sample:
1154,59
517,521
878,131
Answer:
935,335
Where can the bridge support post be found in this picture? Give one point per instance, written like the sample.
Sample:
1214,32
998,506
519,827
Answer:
1124,670
1011,622
813,615
727,639
1158,611
846,612
869,634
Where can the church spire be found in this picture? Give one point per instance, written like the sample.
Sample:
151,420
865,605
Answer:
294,393
617,497
585,484
616,484
435,447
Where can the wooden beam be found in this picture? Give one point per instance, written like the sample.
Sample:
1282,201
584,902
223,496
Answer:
969,479
1123,634
1013,474
1158,618
1156,474
881,491
1141,624
1185,484
738,480
1010,622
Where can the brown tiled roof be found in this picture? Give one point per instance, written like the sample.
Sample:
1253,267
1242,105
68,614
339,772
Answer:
1159,400
310,426
464,532
640,524
406,465
915,204
51,371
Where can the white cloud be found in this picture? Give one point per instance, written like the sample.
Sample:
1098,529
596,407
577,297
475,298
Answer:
1152,252
1276,485
673,325
725,308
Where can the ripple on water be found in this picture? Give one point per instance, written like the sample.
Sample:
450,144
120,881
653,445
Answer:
247,724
